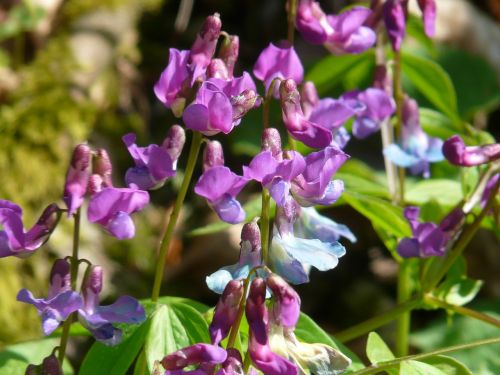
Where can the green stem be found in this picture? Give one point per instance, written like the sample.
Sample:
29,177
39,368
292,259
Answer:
247,362
380,367
404,320
463,311
399,98
241,309
377,321
462,242
267,103
292,13
167,237
264,225
74,275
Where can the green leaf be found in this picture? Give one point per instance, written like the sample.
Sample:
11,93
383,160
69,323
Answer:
438,125
379,212
418,368
332,69
458,292
308,331
448,365
361,185
445,192
433,82
115,360
15,358
377,351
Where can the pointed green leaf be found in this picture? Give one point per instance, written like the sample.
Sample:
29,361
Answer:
418,368
427,190
449,365
377,351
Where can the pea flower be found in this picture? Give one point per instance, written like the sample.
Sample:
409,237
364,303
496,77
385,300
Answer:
205,356
343,33
220,186
429,239
61,300
275,62
489,189
457,153
109,206
250,257
98,319
226,311
154,164
50,366
417,149
310,224
291,257
13,238
77,178
229,51
314,186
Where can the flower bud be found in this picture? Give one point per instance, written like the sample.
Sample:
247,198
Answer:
251,234
101,165
226,311
217,69
286,309
194,354
395,13
77,178
174,142
244,102
213,155
256,311
457,153
92,286
229,52
271,141
44,226
309,98
204,46
60,279
95,184
49,366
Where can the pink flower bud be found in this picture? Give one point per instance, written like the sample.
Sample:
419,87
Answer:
286,309
457,153
204,46
213,155
251,234
60,279
92,286
174,142
229,52
256,311
271,141
77,178
101,165
217,69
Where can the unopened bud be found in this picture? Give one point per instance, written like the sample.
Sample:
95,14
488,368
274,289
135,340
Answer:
77,178
204,46
44,226
251,234
457,153
309,98
93,280
101,165
271,141
226,311
213,155
49,366
174,142
217,69
244,102
60,279
286,309
256,310
229,52
95,184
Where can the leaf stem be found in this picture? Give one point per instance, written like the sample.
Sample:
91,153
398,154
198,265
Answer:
174,216
380,367
377,321
74,275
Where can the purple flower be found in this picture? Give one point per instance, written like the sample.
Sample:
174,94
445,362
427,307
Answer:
343,33
226,311
61,300
457,153
488,190
428,239
198,354
14,240
220,186
417,150
275,62
50,366
212,110
286,308
291,257
299,127
77,178
98,319
372,107
154,164
395,13
229,51
250,257
314,185
111,207
428,8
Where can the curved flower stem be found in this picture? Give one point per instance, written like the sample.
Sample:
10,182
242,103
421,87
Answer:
247,362
381,366
74,275
167,237
462,242
463,310
377,321
403,322
292,13
264,225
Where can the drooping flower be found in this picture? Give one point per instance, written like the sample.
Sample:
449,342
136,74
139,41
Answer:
314,186
488,190
99,319
205,356
154,164
275,62
50,366
310,224
286,307
14,240
395,13
342,33
61,300
291,257
250,257
416,150
457,153
77,178
220,186
428,238
428,8
226,311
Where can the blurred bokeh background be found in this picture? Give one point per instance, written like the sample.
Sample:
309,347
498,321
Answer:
83,70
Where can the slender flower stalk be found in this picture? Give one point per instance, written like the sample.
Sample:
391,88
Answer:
264,224
167,237
292,14
399,98
74,275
